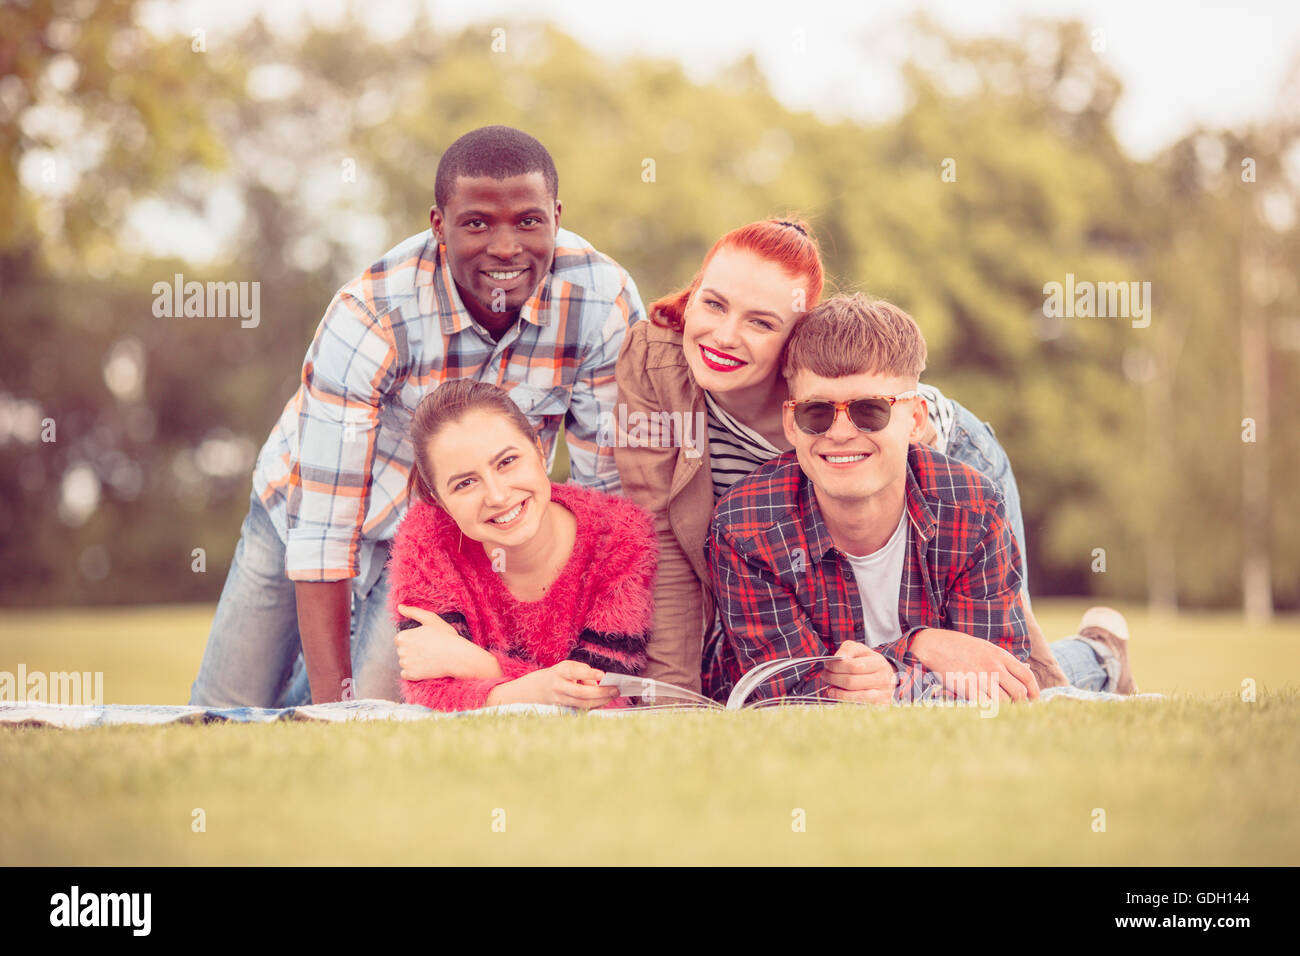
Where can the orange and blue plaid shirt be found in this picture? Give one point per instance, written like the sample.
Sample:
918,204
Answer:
333,472
785,590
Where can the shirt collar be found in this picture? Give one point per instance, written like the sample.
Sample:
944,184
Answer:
919,510
818,535
437,293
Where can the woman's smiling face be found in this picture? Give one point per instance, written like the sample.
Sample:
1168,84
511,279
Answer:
490,478
736,323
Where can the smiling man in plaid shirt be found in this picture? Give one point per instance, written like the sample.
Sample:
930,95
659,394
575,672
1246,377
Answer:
496,292
862,542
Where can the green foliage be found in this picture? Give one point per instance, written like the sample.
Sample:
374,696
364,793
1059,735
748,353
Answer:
1114,431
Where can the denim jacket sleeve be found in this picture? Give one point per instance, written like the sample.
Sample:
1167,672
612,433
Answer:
973,443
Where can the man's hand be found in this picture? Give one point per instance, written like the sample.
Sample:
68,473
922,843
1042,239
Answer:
863,676
568,684
960,660
435,649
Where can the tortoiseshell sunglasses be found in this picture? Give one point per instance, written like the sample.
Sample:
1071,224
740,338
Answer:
869,414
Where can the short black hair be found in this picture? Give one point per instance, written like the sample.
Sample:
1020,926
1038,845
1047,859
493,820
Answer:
496,151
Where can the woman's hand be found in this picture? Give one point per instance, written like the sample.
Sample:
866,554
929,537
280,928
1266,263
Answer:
435,649
568,684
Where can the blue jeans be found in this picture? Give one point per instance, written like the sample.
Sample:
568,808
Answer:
254,653
1081,663
973,443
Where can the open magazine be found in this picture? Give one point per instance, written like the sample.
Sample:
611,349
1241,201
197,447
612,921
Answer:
647,693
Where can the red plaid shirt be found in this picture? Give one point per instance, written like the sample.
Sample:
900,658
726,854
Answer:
785,590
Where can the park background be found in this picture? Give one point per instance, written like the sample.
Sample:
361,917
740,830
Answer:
1156,465
296,158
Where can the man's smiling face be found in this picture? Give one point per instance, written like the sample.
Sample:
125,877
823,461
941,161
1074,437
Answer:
500,241
846,463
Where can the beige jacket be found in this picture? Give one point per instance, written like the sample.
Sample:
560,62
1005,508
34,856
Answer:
673,481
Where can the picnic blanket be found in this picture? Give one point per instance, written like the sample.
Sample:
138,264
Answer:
38,714
72,716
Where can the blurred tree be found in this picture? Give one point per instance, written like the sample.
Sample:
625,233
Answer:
301,158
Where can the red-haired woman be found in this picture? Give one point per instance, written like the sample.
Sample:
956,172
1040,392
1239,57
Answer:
515,590
709,357
700,406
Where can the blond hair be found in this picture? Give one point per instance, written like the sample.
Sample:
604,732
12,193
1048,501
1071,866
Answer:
853,335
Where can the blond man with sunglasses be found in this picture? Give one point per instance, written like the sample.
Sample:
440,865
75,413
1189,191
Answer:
865,543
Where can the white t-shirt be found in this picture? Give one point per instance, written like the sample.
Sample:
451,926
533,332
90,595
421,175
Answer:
880,577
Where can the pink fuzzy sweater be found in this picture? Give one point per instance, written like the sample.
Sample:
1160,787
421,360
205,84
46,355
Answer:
598,611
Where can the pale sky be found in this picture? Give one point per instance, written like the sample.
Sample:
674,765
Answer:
1217,63
1220,65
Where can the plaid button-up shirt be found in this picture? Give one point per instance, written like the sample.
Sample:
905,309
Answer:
333,472
785,590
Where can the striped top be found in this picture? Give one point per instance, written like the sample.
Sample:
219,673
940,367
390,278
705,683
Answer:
333,472
735,450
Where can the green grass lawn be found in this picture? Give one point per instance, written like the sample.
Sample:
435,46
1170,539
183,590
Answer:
1202,778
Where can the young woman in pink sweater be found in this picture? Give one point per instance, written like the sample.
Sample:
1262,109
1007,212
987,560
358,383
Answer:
513,589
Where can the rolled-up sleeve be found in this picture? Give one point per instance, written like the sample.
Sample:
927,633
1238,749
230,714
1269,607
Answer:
347,374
